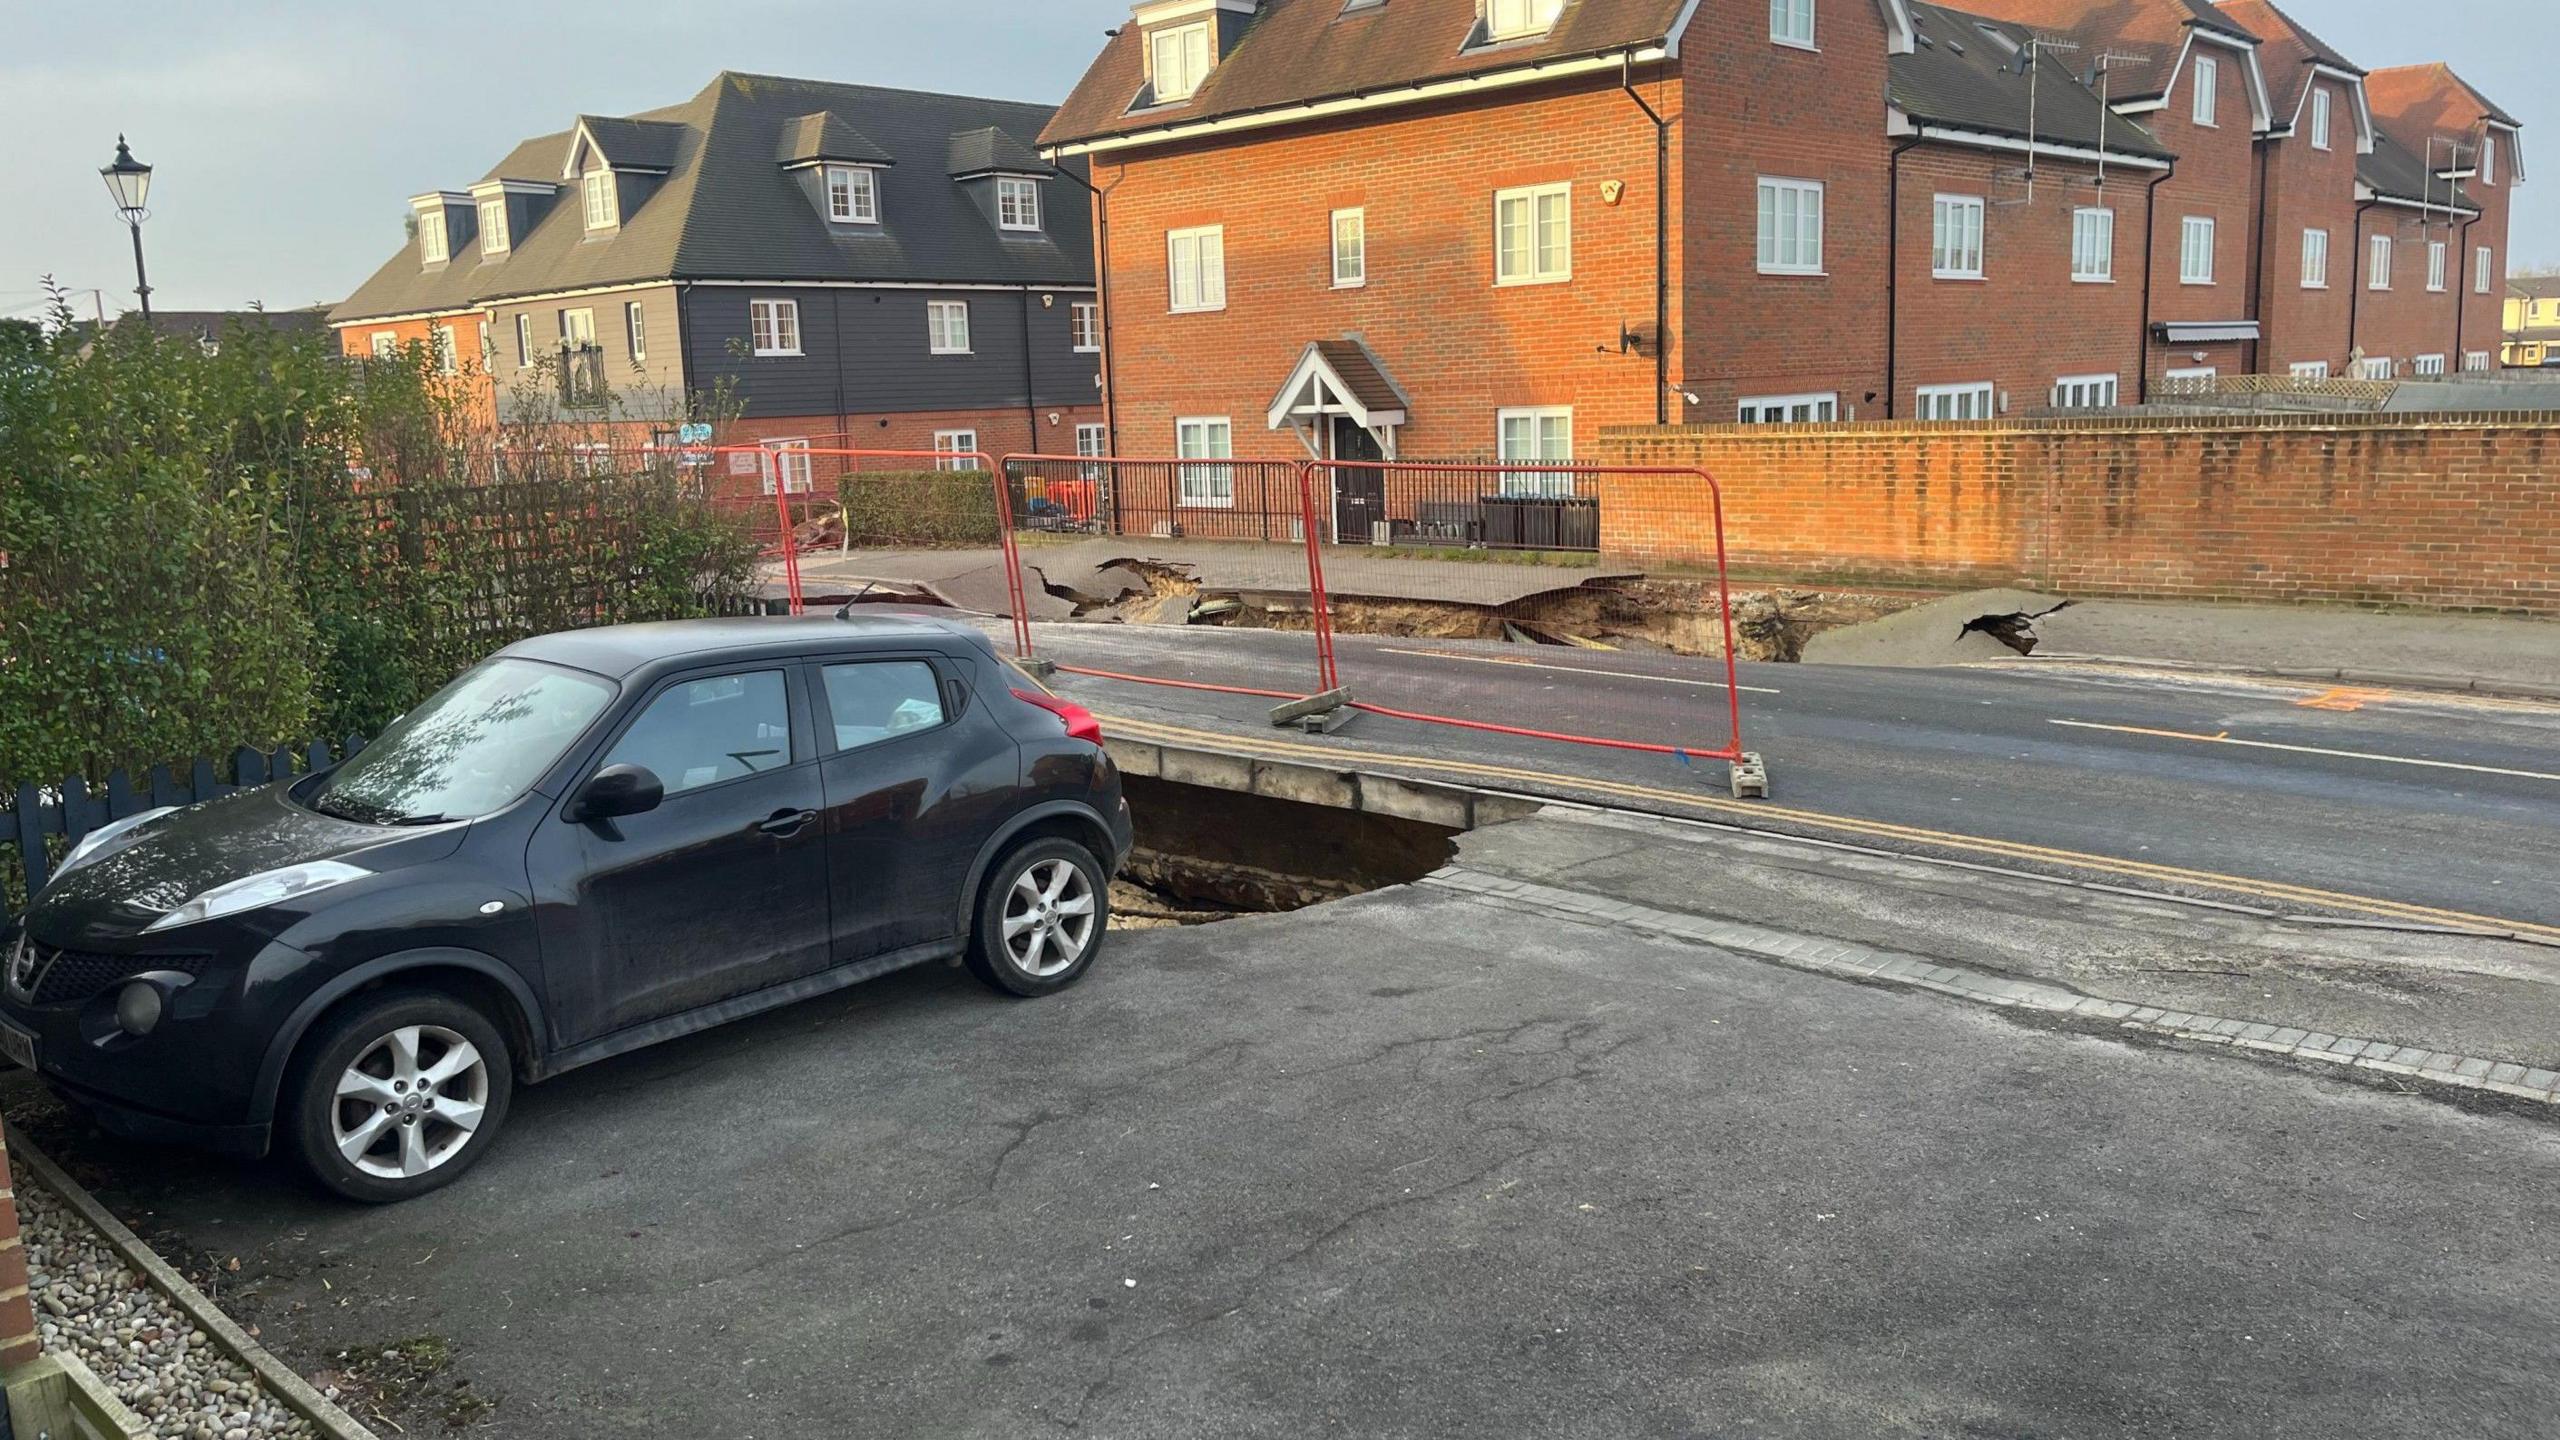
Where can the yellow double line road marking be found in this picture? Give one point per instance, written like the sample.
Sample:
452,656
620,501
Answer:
1759,811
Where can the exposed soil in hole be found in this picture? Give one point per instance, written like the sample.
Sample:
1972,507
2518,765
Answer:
1205,854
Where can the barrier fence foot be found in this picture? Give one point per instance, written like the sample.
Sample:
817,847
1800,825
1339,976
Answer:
1750,777
1317,714
1037,668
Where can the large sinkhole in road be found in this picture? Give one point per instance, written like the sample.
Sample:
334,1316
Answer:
1205,854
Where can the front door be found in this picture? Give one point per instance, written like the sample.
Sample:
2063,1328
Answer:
917,772
718,892
1359,496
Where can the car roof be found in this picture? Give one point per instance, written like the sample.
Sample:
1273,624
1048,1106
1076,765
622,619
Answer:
621,650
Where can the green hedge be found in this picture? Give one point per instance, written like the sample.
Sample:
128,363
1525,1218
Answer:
207,547
919,507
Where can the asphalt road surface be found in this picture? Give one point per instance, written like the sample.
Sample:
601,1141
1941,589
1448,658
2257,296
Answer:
1411,1166
2414,808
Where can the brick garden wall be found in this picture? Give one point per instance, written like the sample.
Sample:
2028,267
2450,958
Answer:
2322,508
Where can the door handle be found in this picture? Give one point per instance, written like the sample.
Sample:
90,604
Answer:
783,824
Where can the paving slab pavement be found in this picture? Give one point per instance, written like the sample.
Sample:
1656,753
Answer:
1419,1164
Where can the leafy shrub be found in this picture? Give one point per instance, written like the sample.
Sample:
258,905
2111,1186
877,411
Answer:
919,507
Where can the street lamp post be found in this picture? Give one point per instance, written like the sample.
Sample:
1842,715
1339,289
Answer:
129,180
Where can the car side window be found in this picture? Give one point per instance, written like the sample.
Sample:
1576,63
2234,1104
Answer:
876,700
705,731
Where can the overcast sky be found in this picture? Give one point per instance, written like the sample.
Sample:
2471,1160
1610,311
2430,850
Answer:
287,135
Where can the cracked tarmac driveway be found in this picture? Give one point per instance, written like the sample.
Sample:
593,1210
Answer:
1408,1166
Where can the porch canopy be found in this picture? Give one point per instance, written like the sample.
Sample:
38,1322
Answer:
1339,378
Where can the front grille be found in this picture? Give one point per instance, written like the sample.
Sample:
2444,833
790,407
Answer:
62,977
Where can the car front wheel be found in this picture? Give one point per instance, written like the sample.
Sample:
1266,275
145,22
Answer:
1041,919
399,1095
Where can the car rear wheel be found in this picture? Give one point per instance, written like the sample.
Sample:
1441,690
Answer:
1041,919
399,1095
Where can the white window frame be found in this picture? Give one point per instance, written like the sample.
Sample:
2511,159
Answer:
2377,267
2319,117
577,328
2086,392
1354,220
493,225
1084,326
635,329
858,203
2101,220
524,339
1531,263
1955,237
1191,62
448,349
1208,264
600,199
1791,24
955,449
946,327
385,344
2436,278
1820,407
1093,442
2208,101
434,245
2190,227
2374,367
2489,158
2475,362
1773,247
1951,402
2427,367
2310,370
1519,19
2315,259
2484,263
1205,486
1017,203
790,464
773,326
1550,440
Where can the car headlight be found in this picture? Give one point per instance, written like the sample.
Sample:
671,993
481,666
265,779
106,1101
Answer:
96,840
259,891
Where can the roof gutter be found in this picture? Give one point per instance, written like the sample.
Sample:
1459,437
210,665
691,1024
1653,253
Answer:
1412,94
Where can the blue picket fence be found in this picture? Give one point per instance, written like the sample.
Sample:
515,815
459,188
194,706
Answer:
45,820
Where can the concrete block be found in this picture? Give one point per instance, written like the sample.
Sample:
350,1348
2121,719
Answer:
1208,768
2317,1041
1306,784
2256,1032
1430,804
2288,1037
2474,1068
2506,1074
1137,757
2540,1080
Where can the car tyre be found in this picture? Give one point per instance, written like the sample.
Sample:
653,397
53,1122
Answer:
1042,917
398,1095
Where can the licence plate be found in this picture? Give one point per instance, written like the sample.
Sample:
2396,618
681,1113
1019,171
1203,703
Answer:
17,1045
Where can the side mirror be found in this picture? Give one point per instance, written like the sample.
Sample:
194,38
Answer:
617,790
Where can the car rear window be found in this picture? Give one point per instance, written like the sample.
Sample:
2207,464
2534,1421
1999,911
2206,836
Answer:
876,700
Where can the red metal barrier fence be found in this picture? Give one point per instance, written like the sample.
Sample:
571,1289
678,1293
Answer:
1474,592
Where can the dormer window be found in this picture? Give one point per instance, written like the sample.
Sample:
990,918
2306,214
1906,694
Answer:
1178,61
602,200
1519,19
853,195
493,225
1017,203
433,248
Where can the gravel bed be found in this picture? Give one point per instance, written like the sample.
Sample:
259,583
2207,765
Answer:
138,1344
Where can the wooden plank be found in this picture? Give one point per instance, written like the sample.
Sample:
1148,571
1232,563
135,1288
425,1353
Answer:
164,787
201,785
32,863
121,801
248,768
81,811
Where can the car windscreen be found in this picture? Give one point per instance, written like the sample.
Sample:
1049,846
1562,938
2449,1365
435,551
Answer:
478,744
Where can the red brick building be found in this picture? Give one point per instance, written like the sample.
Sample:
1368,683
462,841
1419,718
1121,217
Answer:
2450,159
1440,228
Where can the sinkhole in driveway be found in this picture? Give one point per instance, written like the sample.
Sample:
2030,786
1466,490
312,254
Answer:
1205,854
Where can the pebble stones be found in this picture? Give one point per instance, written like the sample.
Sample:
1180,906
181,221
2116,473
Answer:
138,1344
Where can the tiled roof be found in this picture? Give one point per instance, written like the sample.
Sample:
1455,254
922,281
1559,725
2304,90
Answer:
2534,287
986,149
2286,53
2400,173
634,144
1969,72
2429,97
1296,51
826,135
2154,32
727,209
1362,374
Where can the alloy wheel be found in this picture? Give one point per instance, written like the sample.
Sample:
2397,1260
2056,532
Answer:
410,1102
1048,918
